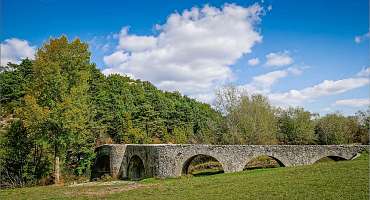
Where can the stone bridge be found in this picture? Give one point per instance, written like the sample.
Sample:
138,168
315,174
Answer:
134,161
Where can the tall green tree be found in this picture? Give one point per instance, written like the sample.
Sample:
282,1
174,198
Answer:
250,119
334,129
59,93
296,126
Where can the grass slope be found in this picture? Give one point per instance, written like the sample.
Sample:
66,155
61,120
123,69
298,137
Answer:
329,180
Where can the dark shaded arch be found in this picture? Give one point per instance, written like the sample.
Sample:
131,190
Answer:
329,159
101,167
263,161
135,170
199,159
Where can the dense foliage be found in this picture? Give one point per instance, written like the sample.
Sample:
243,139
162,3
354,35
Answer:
60,106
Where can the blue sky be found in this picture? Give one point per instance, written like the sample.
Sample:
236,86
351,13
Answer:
310,53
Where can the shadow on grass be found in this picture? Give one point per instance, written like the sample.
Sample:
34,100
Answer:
207,173
263,167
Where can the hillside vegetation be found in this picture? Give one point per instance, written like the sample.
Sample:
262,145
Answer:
57,108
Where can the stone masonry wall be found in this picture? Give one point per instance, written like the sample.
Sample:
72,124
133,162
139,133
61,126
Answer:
167,160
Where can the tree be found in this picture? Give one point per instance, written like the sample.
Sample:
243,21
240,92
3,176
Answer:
13,85
18,145
296,126
363,122
334,129
59,93
250,119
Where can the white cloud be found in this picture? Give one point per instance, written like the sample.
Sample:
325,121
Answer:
116,58
135,43
193,50
270,78
325,88
353,102
278,59
363,37
365,72
253,61
262,84
14,50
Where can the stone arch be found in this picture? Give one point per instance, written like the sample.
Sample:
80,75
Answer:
281,161
101,166
184,165
334,157
136,168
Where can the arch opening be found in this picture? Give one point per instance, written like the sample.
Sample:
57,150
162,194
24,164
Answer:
101,167
202,165
136,170
329,159
262,162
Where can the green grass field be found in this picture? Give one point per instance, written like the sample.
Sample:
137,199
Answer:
326,180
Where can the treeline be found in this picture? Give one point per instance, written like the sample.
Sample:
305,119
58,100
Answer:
59,107
251,119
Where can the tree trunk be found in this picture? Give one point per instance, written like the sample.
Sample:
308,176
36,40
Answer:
56,171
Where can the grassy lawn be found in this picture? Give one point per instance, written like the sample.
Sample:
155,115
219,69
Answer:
325,180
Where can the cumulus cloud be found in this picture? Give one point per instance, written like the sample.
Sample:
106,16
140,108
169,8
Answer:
360,102
253,61
116,58
193,50
325,88
363,37
14,50
135,43
278,59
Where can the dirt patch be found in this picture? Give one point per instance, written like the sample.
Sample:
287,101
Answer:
103,189
97,183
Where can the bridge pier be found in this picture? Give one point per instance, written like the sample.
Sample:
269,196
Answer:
232,167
